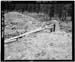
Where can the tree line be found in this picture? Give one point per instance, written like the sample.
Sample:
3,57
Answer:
63,11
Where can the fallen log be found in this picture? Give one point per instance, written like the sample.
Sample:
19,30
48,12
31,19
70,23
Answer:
27,33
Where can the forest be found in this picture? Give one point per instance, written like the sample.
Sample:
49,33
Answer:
60,11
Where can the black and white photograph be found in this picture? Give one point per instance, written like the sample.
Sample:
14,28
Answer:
40,30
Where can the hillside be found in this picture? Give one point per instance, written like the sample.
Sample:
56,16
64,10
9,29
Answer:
40,45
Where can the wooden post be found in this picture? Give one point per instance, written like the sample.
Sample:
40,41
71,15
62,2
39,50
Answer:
56,25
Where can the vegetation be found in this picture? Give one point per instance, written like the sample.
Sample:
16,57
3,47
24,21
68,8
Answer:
59,11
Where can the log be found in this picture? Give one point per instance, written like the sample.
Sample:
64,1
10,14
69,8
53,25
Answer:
27,33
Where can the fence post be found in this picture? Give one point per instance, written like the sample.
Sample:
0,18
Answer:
56,25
